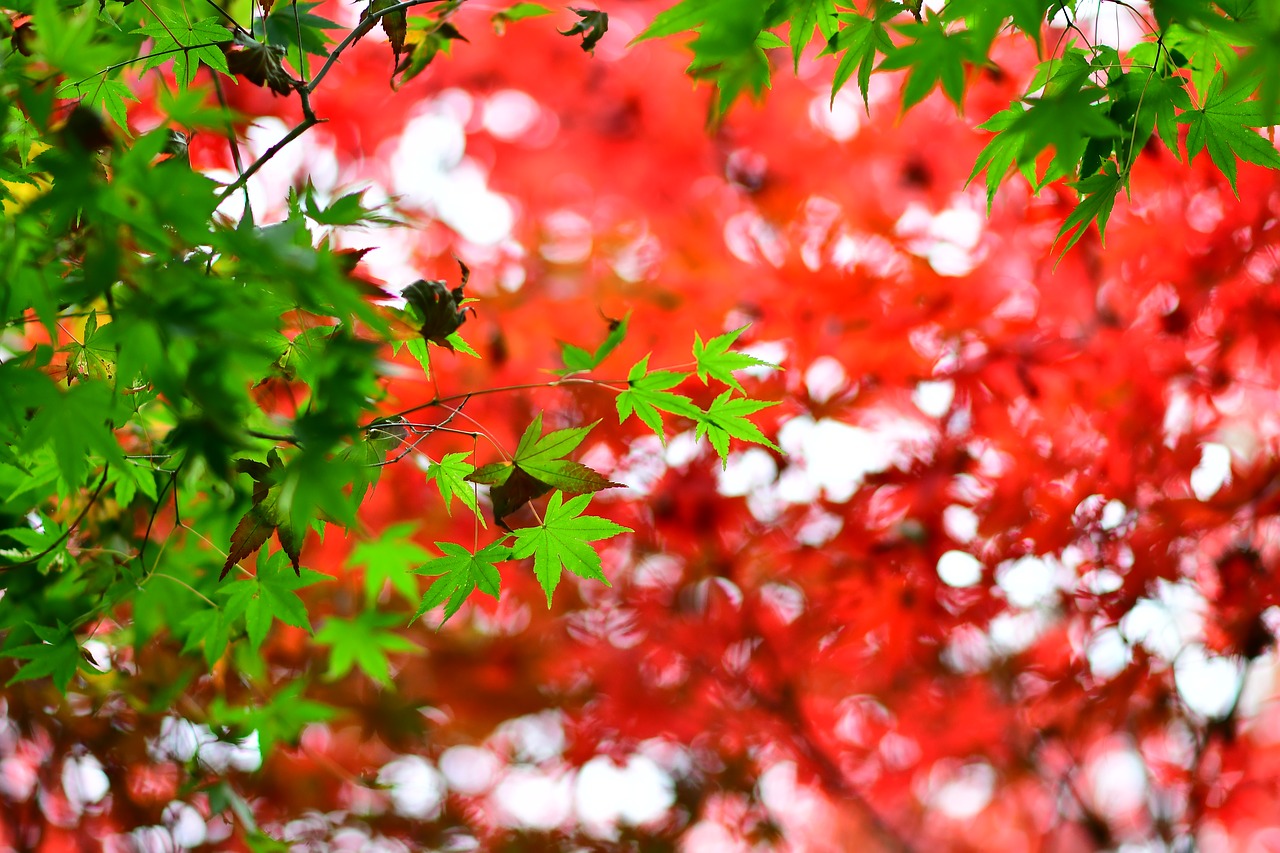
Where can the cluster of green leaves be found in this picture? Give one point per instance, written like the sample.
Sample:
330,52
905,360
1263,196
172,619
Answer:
179,385
1209,65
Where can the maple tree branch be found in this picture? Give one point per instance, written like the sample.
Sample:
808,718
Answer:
527,386
359,31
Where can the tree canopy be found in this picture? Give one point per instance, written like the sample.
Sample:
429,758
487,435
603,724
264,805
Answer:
651,426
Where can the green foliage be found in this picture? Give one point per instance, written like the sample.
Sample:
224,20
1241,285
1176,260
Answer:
1212,66
562,542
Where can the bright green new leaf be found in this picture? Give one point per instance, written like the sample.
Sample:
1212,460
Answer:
450,476
576,359
805,16
860,40
461,572
518,12
934,56
714,358
281,719
188,43
272,594
389,557
1098,196
562,542
364,641
1225,125
648,394
57,656
726,418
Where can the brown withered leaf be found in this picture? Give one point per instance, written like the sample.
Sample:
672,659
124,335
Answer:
260,64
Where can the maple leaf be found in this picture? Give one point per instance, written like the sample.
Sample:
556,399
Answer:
860,40
394,24
518,12
727,417
716,360
933,57
1098,197
536,468
388,558
805,15
260,64
187,43
271,594
450,476
57,656
577,359
561,542
592,27
363,641
647,395
462,572
264,517
1224,124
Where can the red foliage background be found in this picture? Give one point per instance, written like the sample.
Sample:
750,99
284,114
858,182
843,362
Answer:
796,651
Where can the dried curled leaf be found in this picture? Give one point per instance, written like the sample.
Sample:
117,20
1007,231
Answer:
437,310
260,64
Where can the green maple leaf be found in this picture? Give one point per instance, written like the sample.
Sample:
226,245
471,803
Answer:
933,57
860,40
57,656
727,417
389,558
462,572
272,594
1225,126
576,359
518,12
108,95
1098,196
562,542
363,642
648,394
281,718
187,43
715,359
450,476
805,15
536,468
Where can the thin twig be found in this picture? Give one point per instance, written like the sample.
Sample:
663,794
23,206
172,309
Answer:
359,31
66,534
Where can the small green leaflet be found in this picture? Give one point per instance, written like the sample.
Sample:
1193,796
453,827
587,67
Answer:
648,393
56,656
714,358
364,641
272,594
187,43
1098,196
576,359
562,542
540,469
860,40
450,476
461,573
805,15
727,418
1225,125
389,557
109,95
934,57
518,12
282,718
